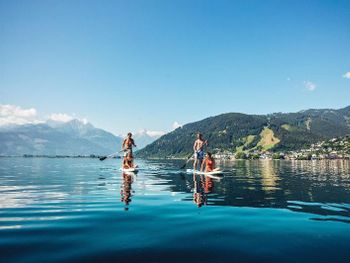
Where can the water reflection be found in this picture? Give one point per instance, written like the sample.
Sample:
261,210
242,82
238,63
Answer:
269,176
126,190
274,184
320,188
202,187
70,204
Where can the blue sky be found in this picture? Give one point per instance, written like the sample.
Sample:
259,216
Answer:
129,65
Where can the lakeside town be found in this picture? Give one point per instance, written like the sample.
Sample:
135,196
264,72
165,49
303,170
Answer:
335,148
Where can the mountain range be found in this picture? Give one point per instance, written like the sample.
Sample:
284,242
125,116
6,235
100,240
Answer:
229,132
57,138
143,138
237,132
70,138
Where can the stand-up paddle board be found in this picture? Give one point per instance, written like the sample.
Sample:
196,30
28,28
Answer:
217,172
130,170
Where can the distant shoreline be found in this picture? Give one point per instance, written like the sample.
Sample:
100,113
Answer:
92,156
177,158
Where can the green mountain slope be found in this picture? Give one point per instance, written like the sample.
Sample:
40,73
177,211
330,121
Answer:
236,132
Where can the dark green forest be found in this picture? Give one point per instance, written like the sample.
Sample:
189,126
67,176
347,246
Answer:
230,132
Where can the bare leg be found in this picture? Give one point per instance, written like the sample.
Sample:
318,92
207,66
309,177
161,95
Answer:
195,164
202,165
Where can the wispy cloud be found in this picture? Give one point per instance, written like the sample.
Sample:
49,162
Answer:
176,125
12,114
347,75
154,134
309,85
61,117
16,115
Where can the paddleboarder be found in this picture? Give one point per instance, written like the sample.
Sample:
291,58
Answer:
128,161
128,143
210,163
198,148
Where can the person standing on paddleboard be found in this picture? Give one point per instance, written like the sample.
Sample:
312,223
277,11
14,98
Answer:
128,143
198,148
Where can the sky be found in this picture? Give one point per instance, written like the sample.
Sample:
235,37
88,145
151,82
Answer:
144,64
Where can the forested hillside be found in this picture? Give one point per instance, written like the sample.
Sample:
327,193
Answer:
236,132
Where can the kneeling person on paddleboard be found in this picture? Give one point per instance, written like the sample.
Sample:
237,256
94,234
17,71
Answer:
128,161
210,163
198,149
128,143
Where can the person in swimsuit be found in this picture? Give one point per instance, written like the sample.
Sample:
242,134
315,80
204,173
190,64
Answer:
128,161
198,148
128,143
210,163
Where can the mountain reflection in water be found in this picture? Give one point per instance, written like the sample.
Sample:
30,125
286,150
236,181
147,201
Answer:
84,210
317,187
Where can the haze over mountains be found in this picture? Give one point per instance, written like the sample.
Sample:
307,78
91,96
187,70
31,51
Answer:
236,132
145,137
74,137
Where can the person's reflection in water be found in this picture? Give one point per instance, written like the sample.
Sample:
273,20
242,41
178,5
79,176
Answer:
199,196
125,191
208,185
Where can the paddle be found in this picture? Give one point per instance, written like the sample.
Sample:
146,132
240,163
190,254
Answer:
108,156
188,159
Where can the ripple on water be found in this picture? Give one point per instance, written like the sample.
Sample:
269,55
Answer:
86,210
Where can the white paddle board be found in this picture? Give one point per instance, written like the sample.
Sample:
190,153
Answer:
130,170
204,173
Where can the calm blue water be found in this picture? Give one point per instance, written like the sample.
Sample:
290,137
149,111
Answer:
84,210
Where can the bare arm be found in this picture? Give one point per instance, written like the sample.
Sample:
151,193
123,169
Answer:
123,145
195,146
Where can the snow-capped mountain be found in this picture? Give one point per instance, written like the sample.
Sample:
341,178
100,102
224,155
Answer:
74,137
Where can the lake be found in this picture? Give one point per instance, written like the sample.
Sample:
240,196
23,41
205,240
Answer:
85,210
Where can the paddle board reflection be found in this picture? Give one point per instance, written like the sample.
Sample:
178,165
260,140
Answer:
126,190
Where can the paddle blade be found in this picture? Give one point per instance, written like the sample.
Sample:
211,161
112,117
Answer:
103,158
188,159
